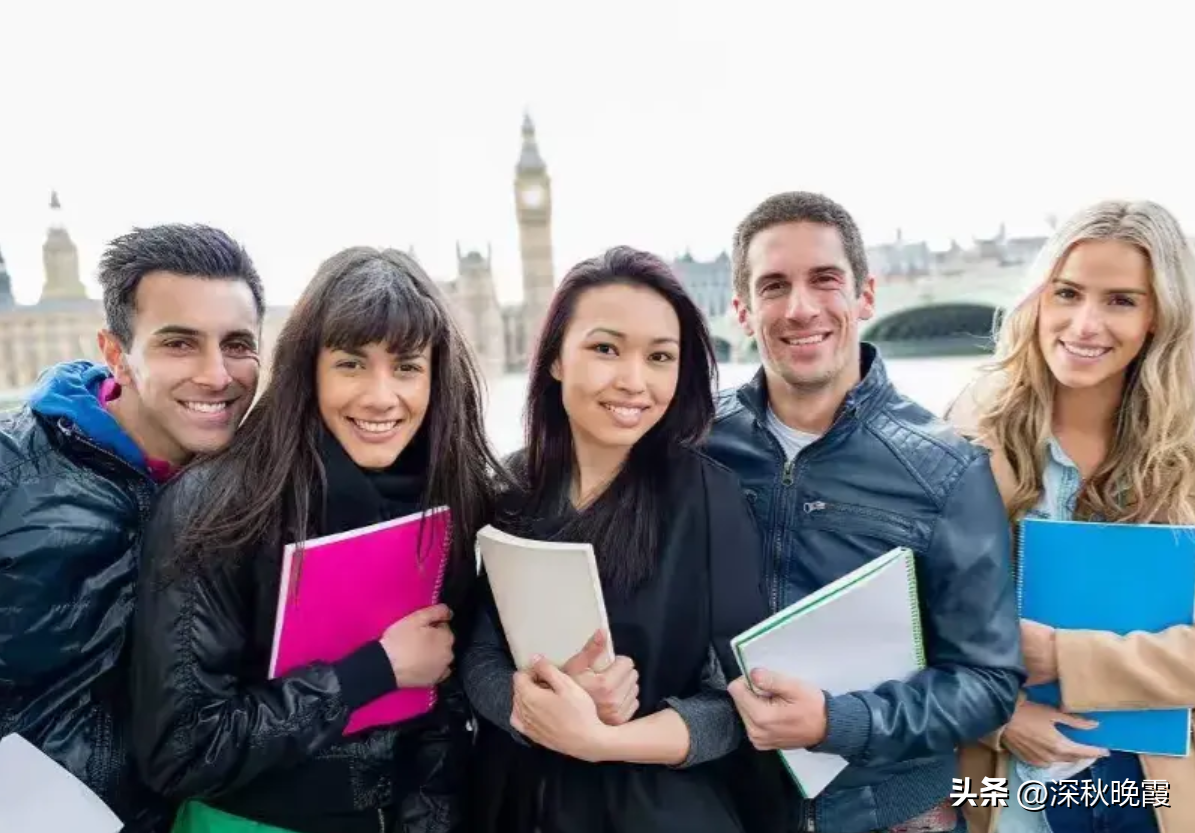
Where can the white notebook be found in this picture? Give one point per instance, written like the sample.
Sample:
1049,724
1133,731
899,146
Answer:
36,794
548,594
851,635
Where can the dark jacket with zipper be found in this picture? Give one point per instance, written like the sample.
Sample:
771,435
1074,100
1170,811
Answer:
887,473
212,727
74,493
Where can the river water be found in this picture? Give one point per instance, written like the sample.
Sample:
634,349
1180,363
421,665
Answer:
933,382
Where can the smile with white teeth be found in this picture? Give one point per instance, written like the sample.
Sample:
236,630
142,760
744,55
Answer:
624,410
1085,352
206,407
374,427
807,340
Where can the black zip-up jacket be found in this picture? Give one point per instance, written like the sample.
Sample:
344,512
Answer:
71,512
211,726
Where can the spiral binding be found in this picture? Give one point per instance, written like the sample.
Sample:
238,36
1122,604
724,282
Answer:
449,528
1017,572
915,598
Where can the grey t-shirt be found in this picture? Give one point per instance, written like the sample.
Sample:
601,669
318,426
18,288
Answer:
791,440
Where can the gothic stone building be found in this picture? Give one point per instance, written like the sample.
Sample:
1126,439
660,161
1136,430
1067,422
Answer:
501,336
63,324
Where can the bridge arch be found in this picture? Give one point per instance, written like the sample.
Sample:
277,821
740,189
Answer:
951,328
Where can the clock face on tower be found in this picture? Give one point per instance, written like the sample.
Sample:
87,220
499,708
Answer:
532,196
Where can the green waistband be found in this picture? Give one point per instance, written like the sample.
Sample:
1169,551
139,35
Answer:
195,817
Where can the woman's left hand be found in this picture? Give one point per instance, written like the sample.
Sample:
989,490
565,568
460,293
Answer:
551,709
1041,656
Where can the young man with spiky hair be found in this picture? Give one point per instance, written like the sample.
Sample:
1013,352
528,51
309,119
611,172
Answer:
79,466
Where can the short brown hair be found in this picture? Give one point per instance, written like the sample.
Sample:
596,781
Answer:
797,207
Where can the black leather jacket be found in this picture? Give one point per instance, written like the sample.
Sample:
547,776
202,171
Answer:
888,473
70,518
211,726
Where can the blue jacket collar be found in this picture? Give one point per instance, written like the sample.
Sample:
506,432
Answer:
70,391
754,394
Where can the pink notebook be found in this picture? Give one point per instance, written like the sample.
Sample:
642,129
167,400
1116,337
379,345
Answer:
347,588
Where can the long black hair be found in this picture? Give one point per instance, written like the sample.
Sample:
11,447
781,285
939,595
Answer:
265,482
622,523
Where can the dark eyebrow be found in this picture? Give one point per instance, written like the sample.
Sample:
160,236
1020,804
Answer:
176,330
1074,285
189,332
357,353
771,276
617,334
241,334
825,269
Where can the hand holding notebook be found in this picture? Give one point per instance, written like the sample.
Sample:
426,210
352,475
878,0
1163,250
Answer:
781,712
419,646
1118,578
853,634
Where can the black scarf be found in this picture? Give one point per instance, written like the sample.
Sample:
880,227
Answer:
358,497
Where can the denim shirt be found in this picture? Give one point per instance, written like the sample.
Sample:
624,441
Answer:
1060,486
1060,491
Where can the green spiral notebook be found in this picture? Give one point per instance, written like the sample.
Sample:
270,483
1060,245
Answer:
857,632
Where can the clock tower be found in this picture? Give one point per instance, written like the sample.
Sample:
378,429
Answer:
533,205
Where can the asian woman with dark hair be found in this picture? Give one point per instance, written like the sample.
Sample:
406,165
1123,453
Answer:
620,397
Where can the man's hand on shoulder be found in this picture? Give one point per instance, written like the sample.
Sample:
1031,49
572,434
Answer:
781,713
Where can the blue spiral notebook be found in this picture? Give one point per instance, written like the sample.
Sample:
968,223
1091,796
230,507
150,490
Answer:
1111,577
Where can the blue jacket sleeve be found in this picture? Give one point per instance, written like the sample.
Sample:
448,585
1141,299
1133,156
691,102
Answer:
973,642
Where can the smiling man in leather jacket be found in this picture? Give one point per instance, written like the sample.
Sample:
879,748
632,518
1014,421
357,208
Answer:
839,468
80,465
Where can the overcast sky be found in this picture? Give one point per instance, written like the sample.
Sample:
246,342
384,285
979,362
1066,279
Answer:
661,122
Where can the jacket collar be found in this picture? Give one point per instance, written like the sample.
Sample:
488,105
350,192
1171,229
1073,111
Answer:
870,389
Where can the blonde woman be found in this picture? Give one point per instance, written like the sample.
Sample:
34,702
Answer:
1089,414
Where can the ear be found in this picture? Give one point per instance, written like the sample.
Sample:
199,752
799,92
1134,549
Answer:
867,299
743,313
555,370
114,357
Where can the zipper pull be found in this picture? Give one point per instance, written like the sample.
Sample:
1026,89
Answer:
814,506
787,478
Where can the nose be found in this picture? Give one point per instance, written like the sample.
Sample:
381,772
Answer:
800,305
1089,319
380,393
213,374
631,376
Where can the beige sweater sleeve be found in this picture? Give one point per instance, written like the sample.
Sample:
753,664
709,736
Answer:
1102,671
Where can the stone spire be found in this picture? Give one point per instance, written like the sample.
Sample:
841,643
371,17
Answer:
529,160
6,298
61,259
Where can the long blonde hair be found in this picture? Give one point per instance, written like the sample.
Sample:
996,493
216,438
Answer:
1148,475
